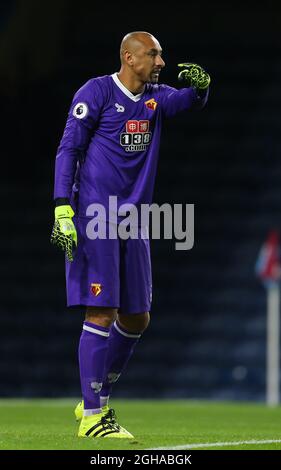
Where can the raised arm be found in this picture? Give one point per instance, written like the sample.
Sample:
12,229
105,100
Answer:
193,96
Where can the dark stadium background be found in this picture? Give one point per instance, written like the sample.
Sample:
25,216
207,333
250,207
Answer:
207,335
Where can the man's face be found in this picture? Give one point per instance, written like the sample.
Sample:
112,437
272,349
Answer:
147,61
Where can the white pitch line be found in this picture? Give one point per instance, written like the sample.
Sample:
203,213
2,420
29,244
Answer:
217,444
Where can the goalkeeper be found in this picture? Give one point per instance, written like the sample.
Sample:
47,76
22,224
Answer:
109,148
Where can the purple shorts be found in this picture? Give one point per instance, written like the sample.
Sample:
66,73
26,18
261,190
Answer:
109,273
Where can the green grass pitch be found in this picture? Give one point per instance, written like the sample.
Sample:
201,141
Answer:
50,424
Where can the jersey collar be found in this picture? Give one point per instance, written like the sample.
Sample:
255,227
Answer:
125,90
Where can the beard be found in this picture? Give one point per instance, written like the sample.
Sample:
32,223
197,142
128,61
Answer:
154,77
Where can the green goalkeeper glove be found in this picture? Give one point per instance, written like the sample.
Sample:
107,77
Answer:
194,76
64,234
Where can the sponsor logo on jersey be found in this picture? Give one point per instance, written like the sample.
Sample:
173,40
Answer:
119,108
137,126
80,110
151,104
96,289
137,136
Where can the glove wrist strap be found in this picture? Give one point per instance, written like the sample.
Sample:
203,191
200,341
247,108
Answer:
64,212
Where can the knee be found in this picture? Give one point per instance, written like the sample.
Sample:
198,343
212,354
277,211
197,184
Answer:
101,316
135,323
146,321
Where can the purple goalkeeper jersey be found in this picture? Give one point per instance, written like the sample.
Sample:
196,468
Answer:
111,141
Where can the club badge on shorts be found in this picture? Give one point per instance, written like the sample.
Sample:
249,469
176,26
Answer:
96,289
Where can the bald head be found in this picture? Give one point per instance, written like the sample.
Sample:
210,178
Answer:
141,59
134,41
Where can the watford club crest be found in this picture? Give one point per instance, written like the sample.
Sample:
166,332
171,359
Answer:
151,104
96,289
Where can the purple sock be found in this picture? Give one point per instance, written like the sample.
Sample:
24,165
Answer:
92,351
121,345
